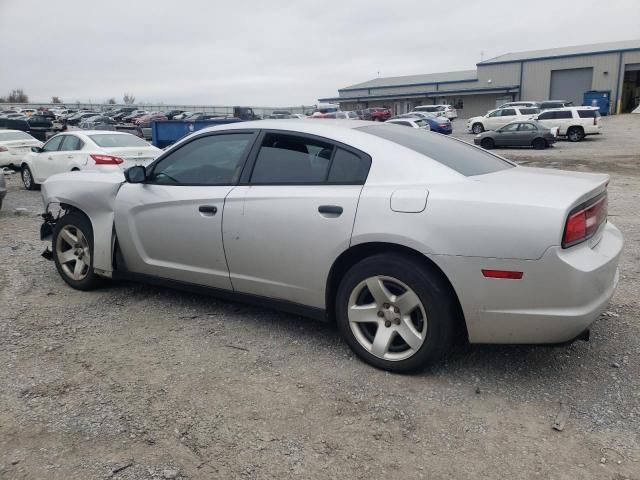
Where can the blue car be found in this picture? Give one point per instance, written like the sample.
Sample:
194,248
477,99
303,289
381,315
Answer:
437,124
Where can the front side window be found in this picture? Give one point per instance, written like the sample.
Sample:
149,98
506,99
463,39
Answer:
527,127
53,144
495,113
512,127
209,160
508,112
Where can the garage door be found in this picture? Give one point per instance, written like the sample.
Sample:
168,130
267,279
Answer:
570,84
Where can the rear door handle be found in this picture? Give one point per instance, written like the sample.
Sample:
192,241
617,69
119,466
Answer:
208,210
334,210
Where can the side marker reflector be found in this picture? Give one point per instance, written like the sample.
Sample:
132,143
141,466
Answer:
502,274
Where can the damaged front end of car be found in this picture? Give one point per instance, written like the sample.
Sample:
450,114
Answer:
53,212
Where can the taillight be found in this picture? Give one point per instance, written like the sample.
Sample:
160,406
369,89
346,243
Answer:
106,159
584,221
4,149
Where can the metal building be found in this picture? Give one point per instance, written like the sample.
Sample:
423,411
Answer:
554,74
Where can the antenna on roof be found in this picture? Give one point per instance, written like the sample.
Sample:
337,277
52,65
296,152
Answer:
378,73
481,55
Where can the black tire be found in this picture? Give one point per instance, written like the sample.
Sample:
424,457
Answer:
539,144
79,222
434,293
487,143
477,128
27,179
575,134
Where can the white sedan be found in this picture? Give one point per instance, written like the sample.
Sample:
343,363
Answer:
14,145
104,151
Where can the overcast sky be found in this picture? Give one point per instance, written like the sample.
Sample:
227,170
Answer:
273,53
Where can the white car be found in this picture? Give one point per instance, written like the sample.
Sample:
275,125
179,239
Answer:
100,150
14,145
414,122
573,122
447,111
522,103
499,117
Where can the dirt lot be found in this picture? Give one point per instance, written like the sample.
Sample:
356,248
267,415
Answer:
133,382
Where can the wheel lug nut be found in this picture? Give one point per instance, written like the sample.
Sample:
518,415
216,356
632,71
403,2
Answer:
396,321
387,323
396,309
385,305
380,313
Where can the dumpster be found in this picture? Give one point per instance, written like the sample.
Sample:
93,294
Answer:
598,98
166,132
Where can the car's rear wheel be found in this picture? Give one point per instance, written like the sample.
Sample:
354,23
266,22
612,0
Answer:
539,143
477,128
73,251
575,134
27,178
394,313
487,143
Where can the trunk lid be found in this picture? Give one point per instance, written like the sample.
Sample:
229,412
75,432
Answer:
134,155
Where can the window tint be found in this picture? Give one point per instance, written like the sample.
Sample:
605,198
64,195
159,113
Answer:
210,160
348,168
291,159
455,154
527,127
529,111
71,142
563,114
512,127
496,113
545,116
507,112
588,113
406,124
53,144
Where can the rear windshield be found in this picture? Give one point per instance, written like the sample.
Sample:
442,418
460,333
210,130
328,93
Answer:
455,154
9,136
112,140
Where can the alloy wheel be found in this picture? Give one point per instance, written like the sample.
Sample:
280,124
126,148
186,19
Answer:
73,252
387,318
477,128
26,178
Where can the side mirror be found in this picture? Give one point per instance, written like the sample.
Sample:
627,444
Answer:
36,149
135,174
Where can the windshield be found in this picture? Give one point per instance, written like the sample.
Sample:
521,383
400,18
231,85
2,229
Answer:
455,154
111,140
9,136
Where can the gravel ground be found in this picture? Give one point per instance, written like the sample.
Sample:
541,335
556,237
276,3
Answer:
138,382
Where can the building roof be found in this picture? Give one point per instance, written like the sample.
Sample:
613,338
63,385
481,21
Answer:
565,51
406,80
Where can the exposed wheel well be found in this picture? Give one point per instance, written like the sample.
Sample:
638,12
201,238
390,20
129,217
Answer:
358,252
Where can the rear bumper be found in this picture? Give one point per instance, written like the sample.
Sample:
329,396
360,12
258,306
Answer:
559,296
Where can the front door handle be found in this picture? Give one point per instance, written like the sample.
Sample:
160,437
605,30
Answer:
332,210
208,210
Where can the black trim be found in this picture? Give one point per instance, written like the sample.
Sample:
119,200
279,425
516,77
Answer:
245,178
257,300
331,209
198,135
583,206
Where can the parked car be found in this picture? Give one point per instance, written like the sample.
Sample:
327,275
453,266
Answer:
413,122
279,114
517,134
133,115
40,123
330,116
548,104
3,188
234,210
351,115
151,117
98,122
13,115
47,114
183,115
499,117
436,124
376,114
19,123
440,110
27,112
520,104
14,145
573,122
99,150
76,118
203,116
170,114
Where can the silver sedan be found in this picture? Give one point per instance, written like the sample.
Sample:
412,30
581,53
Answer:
402,236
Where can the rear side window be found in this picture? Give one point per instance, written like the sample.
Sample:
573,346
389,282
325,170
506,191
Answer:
348,167
507,112
529,111
563,114
71,143
545,116
455,154
588,113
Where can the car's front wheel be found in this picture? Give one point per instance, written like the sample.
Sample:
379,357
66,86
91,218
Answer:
73,251
477,128
487,143
394,313
27,178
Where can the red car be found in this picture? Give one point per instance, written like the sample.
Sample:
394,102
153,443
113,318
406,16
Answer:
377,114
153,117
